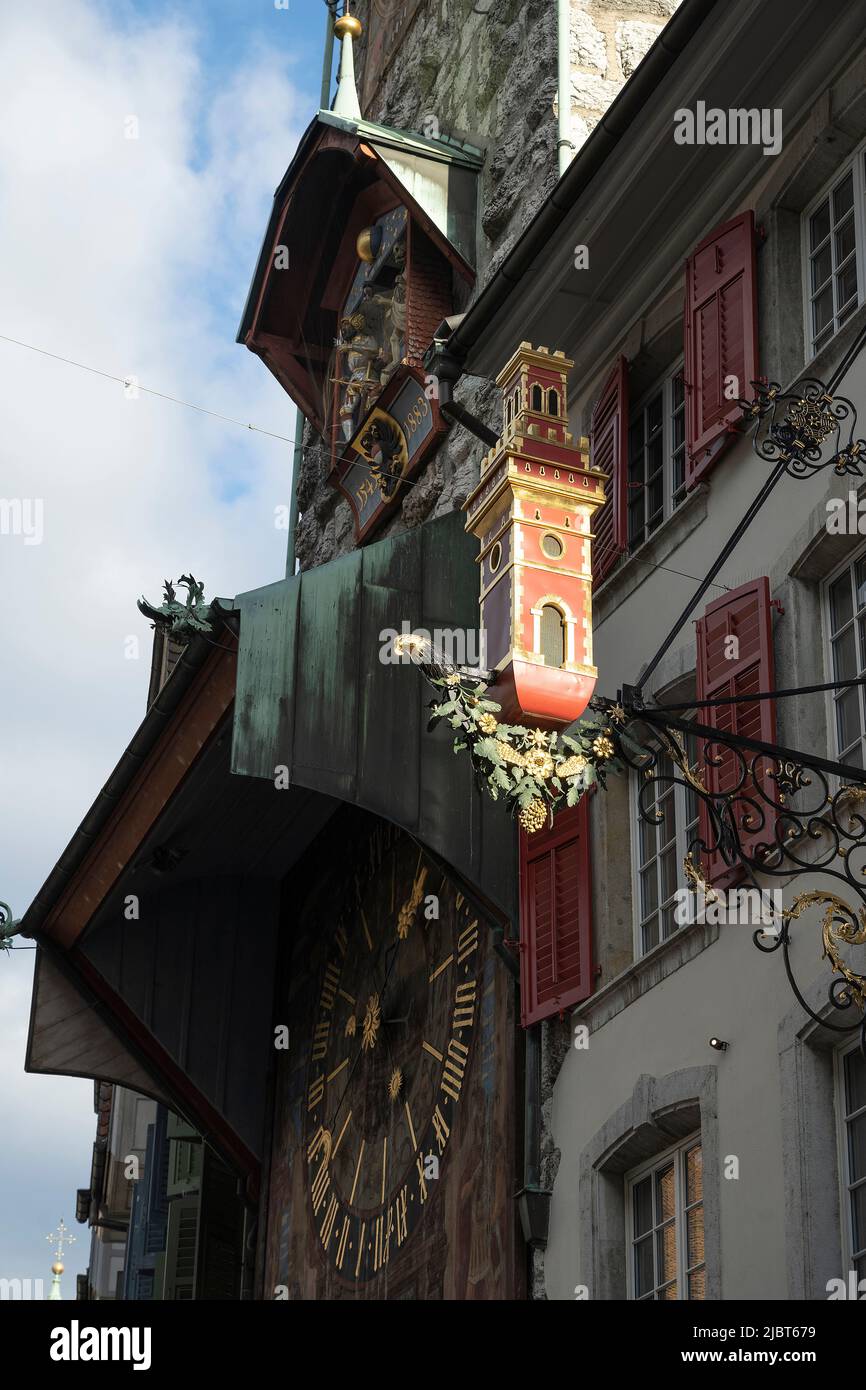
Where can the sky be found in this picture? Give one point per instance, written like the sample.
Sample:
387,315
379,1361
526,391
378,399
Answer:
140,145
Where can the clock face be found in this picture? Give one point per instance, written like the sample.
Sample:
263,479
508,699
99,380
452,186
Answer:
392,1040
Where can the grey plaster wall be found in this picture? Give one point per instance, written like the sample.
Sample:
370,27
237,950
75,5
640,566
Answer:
775,1226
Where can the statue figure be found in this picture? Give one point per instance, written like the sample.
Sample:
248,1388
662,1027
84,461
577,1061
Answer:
182,620
362,351
391,309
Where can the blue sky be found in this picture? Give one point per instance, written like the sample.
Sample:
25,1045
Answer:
134,257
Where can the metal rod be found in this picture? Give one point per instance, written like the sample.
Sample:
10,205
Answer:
297,460
759,695
746,521
773,750
453,410
730,545
328,58
532,1108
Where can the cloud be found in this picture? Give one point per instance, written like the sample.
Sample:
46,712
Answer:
131,255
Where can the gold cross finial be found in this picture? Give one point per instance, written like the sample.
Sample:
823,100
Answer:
59,1238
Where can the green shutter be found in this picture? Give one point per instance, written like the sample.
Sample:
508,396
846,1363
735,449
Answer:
180,1248
178,1128
184,1167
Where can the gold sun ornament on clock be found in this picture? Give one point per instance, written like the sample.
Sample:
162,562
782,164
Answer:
372,1023
406,915
395,1083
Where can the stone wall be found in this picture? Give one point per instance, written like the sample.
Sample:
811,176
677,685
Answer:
608,40
489,77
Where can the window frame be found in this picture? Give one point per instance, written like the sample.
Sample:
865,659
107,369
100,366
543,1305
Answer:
677,1154
831,699
856,162
662,385
845,1187
681,844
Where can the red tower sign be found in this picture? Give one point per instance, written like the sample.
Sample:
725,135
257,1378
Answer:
532,512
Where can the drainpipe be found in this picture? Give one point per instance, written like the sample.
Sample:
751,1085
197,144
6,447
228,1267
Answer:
565,146
297,457
328,59
533,1201
300,421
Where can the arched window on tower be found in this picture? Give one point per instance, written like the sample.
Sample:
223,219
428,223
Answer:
552,636
509,410
553,402
537,398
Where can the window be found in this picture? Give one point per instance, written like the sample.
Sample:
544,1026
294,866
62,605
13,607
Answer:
851,1103
552,636
664,829
656,458
834,254
665,1203
846,624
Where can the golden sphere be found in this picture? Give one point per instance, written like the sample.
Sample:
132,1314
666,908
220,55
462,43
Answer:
57,1268
348,24
364,245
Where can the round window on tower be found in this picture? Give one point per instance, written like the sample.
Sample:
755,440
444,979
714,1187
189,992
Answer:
552,546
495,558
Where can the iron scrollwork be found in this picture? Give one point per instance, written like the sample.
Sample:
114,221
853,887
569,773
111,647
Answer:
807,428
773,816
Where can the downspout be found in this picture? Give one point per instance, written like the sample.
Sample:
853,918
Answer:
328,59
565,145
533,1200
297,459
300,419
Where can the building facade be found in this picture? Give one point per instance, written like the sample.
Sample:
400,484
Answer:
444,1055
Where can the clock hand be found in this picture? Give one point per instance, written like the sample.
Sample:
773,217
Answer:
390,957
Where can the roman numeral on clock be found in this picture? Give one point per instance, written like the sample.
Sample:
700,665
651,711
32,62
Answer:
329,986
321,1183
320,1039
467,941
316,1092
464,1006
382,1239
455,1065
402,1226
341,1243
422,1181
441,1128
328,1223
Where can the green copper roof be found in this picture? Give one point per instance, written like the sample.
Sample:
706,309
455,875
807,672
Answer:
443,147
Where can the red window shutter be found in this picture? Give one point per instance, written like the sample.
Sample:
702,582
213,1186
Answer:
555,908
720,334
745,614
608,450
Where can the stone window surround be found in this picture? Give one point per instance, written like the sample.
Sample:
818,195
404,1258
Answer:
846,1178
661,1112
810,1155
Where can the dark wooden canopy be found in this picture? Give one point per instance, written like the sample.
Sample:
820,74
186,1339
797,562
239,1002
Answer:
337,184
192,827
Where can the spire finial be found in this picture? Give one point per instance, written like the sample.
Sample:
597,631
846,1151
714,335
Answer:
58,1239
347,28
